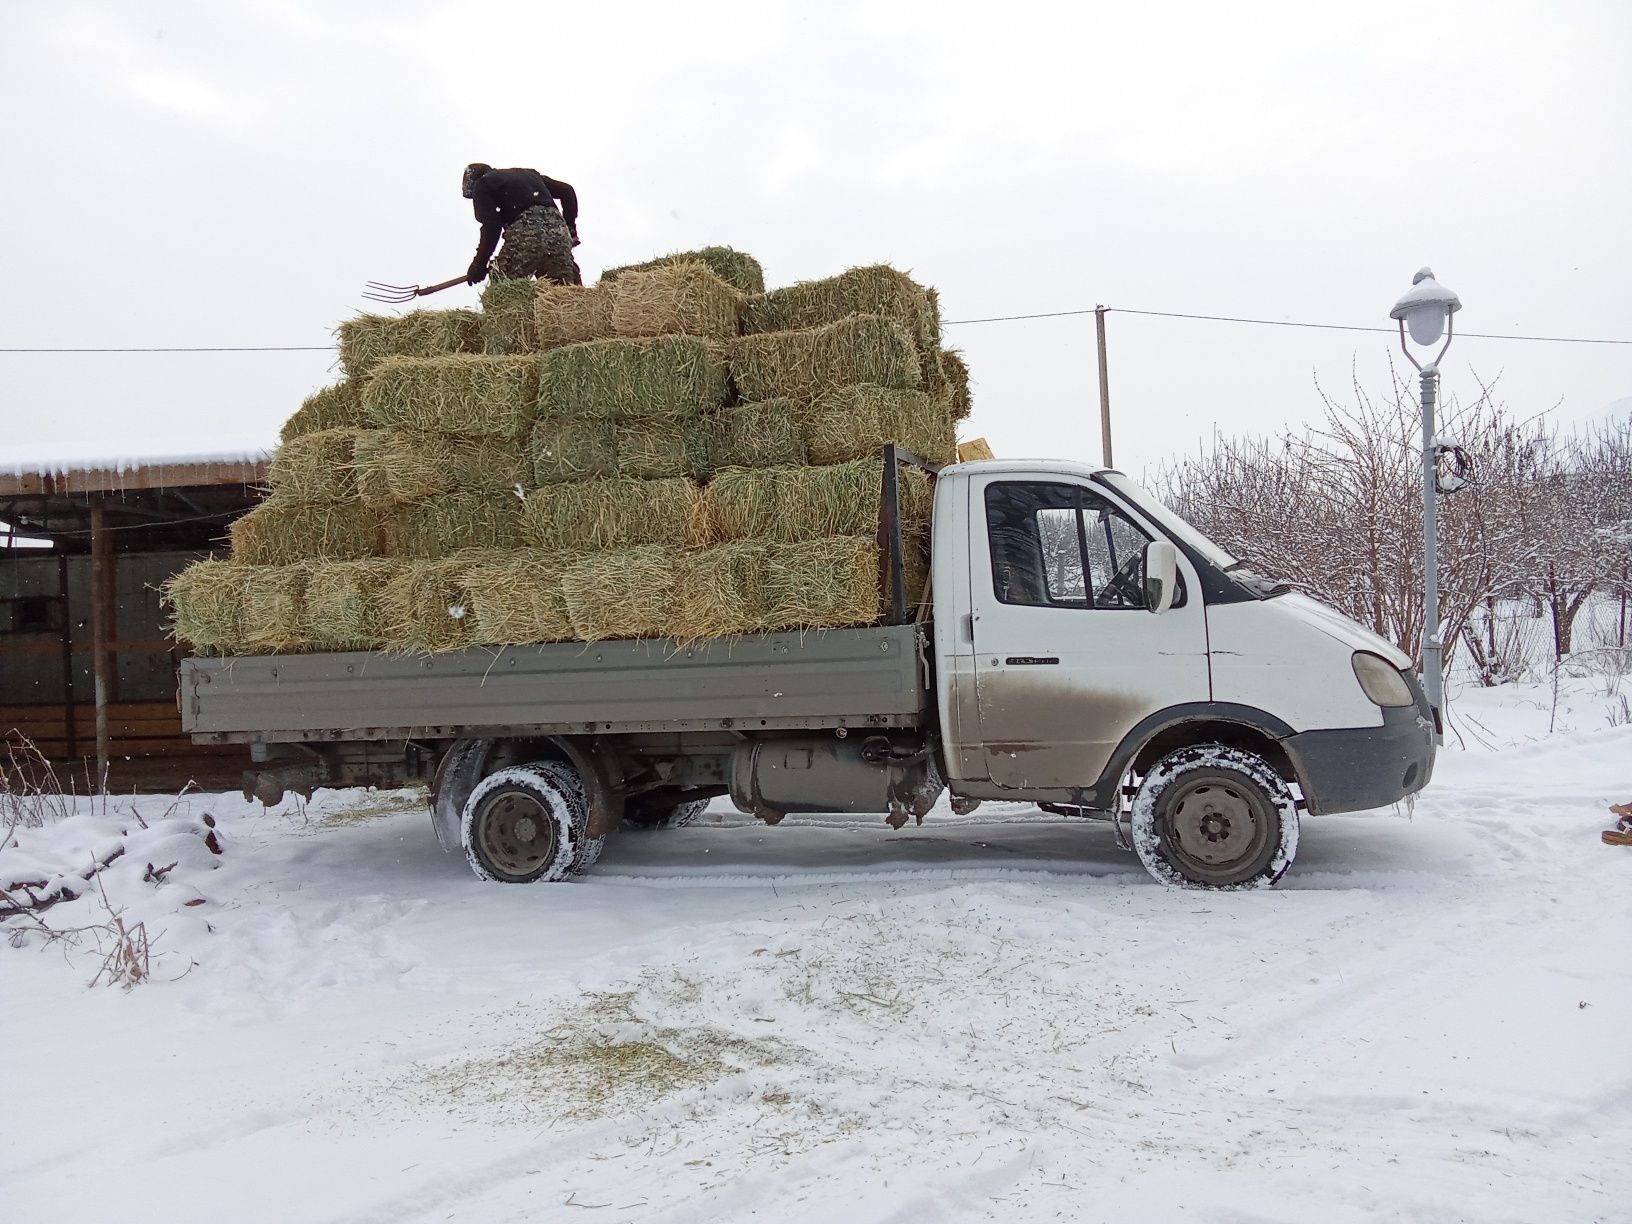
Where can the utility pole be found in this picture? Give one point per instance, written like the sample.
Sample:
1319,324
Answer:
1104,387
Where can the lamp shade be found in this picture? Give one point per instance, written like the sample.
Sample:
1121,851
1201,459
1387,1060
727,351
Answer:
1425,307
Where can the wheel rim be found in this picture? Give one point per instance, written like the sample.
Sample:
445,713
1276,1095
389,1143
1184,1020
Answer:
1216,826
515,834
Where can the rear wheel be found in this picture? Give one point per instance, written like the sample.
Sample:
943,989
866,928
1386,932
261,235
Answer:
1210,816
517,827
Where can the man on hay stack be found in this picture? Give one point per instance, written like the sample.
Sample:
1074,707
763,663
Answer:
538,237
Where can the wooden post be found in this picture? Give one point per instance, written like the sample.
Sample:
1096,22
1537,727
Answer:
103,593
1104,387
70,728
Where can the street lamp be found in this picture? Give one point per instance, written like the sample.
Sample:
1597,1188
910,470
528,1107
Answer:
1426,310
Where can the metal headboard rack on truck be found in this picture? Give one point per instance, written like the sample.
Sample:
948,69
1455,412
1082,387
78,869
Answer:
891,548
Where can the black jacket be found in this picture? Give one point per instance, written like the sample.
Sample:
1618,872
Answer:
500,196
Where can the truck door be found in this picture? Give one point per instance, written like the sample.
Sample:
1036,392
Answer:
1068,658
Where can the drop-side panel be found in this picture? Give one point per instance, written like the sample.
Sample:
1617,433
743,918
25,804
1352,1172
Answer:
841,677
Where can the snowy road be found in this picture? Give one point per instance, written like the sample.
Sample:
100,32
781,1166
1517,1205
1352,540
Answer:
997,1018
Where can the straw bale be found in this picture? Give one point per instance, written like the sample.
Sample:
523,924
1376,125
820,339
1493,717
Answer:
567,314
792,504
860,348
630,593
658,448
465,394
516,598
574,448
343,603
956,371
721,591
284,531
336,407
878,290
507,324
618,513
316,466
207,601
826,583
850,423
424,606
368,340
441,526
683,298
675,376
736,268
274,616
766,434
393,467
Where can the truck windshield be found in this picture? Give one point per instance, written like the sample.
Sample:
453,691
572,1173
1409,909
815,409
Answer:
1175,526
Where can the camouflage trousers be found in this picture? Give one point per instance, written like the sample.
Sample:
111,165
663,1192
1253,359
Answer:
537,243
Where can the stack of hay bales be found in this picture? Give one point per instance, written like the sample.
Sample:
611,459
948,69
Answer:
673,452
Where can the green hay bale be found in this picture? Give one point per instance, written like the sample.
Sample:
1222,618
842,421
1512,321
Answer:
393,468
424,606
736,268
794,504
877,290
596,514
516,598
851,423
336,407
659,448
568,314
472,395
316,466
507,325
956,372
574,448
343,603
682,298
625,594
274,616
283,531
369,339
442,526
207,602
721,591
677,376
829,583
766,434
802,364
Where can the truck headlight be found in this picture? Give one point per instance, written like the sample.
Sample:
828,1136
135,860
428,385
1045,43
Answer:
1382,681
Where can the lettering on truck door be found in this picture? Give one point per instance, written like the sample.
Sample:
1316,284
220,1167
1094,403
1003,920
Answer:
1068,658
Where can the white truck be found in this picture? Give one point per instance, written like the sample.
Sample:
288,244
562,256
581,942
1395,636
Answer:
1080,647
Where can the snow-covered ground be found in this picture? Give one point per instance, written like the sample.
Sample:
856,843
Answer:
1001,1017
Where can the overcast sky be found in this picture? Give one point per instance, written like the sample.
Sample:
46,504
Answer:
230,173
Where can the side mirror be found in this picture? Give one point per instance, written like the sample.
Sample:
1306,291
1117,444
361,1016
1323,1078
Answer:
1161,574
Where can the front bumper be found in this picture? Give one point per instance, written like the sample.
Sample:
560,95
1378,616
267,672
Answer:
1356,768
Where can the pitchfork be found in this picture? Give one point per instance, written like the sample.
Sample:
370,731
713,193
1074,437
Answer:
376,292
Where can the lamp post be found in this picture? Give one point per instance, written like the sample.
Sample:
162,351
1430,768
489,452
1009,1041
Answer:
1426,310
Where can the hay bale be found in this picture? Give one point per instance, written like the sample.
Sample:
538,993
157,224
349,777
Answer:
720,591
828,583
596,514
442,526
793,504
850,423
284,531
507,325
343,603
516,598
424,606
274,615
801,365
369,339
336,407
207,604
660,448
674,376
567,314
765,434
316,466
393,468
624,594
473,395
739,270
956,371
877,290
681,298
574,448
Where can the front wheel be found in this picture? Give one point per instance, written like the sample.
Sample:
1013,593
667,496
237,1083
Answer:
1211,816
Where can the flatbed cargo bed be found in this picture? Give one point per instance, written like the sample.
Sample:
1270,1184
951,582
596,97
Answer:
875,677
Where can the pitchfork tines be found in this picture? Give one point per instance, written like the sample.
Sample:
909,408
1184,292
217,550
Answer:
396,294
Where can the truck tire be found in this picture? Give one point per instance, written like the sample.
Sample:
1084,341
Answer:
518,826
1214,817
589,848
665,815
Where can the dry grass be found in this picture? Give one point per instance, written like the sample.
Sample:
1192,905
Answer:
207,602
793,504
567,314
956,371
343,603
665,447
442,526
681,298
507,318
618,513
283,531
754,587
336,407
677,376
369,339
803,364
625,594
765,434
316,467
737,269
396,467
274,614
855,422
516,599
877,290
574,448
471,395
424,606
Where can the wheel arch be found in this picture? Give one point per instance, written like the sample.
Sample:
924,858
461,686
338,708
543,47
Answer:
1235,726
468,761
